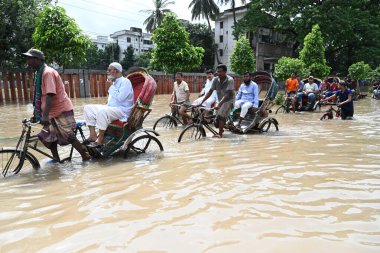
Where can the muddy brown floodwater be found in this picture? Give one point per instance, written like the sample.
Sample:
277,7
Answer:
314,186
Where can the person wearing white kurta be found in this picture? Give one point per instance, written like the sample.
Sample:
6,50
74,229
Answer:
213,98
119,105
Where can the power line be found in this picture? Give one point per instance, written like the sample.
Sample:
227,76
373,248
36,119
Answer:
102,13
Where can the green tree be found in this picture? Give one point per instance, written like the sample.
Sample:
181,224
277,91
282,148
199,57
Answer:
157,14
313,53
59,37
233,7
359,71
200,36
143,59
208,10
16,30
287,65
350,27
96,59
173,51
242,58
112,52
129,58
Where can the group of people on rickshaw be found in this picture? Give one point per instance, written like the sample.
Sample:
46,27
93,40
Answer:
218,93
310,93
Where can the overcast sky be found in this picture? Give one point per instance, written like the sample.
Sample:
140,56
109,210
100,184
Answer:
103,17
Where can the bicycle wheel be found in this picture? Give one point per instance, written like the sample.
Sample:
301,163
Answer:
281,109
12,161
165,122
269,126
191,133
143,144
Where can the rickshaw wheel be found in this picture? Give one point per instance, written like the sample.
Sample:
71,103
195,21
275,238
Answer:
192,132
143,144
269,126
165,122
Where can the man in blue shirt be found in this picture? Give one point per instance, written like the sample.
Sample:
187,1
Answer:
119,105
247,97
346,103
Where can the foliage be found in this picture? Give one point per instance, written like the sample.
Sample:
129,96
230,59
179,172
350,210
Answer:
129,58
279,99
242,58
16,30
143,59
313,53
359,71
374,76
350,27
173,51
200,36
157,14
206,9
286,66
96,59
59,37
112,52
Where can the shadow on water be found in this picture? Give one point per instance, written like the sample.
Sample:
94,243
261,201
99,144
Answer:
310,187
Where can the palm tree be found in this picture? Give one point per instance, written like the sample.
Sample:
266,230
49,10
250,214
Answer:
156,15
206,9
233,4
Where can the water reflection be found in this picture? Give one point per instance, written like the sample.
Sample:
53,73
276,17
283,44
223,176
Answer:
311,187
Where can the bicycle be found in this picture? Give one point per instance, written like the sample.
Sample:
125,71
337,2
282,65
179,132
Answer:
170,120
286,105
14,159
329,114
202,118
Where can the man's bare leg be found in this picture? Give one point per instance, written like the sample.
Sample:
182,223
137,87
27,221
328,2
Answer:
93,135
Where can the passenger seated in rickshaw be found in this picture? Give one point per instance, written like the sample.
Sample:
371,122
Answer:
181,96
247,97
213,98
310,90
291,87
119,105
324,87
344,96
334,86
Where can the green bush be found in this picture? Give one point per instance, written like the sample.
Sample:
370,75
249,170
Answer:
279,98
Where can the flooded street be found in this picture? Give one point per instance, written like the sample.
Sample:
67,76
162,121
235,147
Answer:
314,186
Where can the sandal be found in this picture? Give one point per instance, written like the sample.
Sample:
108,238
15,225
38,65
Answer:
94,145
217,136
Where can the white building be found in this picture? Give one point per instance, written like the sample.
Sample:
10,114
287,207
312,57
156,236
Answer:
101,41
268,45
134,37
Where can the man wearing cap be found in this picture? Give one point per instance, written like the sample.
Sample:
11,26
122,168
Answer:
346,103
119,105
310,90
52,107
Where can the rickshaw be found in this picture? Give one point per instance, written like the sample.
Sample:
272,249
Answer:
127,137
257,120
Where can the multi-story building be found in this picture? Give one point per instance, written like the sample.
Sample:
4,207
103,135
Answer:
134,37
268,45
101,41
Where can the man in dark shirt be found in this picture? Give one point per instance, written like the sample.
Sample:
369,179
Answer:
346,104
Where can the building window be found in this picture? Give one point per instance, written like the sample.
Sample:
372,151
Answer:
129,39
136,39
221,38
137,50
221,24
220,52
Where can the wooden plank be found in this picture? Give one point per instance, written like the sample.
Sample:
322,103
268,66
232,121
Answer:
12,86
72,78
76,86
25,87
19,87
4,78
97,86
92,84
31,86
